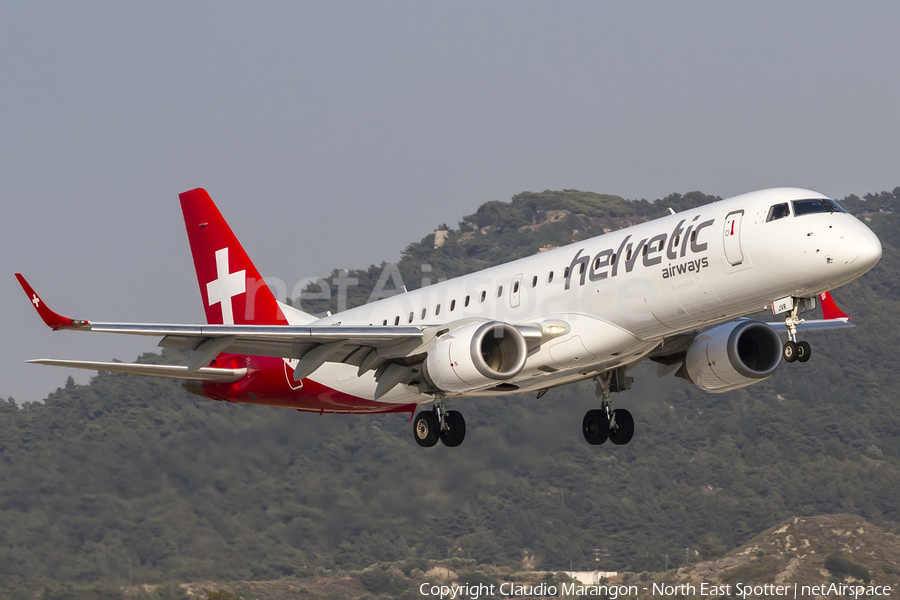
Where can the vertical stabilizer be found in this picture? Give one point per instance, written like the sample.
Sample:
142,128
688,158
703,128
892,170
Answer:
232,290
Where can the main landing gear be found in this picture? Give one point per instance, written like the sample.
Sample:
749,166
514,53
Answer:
605,423
448,426
794,350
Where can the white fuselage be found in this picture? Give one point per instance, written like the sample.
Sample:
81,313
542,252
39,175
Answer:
615,297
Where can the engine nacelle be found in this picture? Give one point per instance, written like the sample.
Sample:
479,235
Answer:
733,355
476,356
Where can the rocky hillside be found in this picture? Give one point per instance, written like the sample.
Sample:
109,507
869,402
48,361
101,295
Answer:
807,551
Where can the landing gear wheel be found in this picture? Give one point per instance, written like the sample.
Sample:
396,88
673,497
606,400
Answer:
455,432
595,427
622,429
790,351
426,429
804,351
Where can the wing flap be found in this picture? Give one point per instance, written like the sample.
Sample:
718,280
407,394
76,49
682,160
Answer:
170,371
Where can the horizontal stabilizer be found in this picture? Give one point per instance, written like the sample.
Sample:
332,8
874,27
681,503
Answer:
170,371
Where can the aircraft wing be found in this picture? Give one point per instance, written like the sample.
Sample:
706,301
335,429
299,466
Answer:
365,347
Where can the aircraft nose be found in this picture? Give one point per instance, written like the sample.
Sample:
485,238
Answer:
869,247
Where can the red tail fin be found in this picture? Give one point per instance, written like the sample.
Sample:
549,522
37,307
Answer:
232,290
830,309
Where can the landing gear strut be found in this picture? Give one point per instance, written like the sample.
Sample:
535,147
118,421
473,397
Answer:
794,350
605,423
448,426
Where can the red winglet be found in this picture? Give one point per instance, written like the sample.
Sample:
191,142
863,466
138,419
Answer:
830,309
53,320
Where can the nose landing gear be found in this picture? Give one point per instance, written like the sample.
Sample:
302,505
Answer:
794,350
797,351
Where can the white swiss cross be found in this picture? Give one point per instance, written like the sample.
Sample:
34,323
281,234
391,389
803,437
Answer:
35,300
226,286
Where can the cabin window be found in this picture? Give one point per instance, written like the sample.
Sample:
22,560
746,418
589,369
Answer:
384,323
628,254
411,316
424,312
516,288
693,236
437,310
779,211
483,296
534,281
550,277
499,291
452,305
596,263
396,321
566,272
581,268
466,303
612,259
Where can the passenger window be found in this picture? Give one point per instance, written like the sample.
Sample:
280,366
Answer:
483,296
437,310
411,315
566,272
452,305
499,291
516,287
534,281
384,323
466,303
424,312
779,211
550,277
396,321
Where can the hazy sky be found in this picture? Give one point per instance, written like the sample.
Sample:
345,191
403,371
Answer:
331,134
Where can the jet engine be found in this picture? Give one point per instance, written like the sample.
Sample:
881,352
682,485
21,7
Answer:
476,356
732,355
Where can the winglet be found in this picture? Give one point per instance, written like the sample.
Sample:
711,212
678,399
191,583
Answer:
830,309
53,320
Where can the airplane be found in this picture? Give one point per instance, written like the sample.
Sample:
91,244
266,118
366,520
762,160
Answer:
676,290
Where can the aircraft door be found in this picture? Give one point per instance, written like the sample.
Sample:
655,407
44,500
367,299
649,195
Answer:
514,291
733,252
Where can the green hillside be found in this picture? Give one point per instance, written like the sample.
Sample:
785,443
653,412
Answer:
131,479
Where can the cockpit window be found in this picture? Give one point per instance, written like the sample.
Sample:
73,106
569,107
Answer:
779,211
819,205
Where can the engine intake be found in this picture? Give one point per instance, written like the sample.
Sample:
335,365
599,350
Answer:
476,356
733,355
